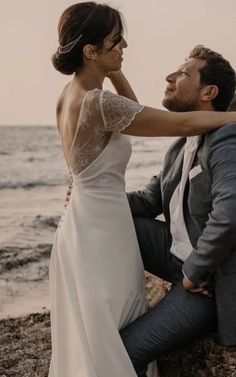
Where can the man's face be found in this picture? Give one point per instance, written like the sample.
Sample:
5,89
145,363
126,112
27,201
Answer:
183,92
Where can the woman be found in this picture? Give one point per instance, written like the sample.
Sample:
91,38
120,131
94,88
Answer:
96,272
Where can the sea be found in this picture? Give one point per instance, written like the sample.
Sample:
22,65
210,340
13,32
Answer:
33,185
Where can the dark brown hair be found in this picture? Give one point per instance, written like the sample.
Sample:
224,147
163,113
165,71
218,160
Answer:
91,23
219,72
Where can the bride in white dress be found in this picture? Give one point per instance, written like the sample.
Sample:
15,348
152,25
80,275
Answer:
96,271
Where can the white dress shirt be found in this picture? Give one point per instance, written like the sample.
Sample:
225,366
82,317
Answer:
181,246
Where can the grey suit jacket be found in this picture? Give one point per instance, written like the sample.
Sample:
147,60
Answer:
210,216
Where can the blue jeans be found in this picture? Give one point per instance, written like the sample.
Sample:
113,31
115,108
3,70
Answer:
179,318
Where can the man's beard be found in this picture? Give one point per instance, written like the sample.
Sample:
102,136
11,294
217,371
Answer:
173,104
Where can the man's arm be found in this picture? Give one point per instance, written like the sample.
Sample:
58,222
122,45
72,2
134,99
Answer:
218,238
147,202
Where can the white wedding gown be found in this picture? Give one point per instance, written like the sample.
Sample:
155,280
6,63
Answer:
96,272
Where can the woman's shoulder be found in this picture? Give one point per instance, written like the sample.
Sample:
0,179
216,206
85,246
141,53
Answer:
98,98
97,93
106,99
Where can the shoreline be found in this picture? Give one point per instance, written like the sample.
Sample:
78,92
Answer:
18,299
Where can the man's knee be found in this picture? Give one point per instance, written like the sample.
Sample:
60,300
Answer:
140,224
154,242
152,229
144,223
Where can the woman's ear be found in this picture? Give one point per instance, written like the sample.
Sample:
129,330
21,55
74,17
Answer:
89,51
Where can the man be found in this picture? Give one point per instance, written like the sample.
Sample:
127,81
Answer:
195,248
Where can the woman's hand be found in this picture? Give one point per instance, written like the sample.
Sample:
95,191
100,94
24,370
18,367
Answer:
121,84
114,75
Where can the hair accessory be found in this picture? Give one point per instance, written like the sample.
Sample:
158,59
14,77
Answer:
69,46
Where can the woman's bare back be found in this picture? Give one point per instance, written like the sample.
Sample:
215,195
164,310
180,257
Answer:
67,113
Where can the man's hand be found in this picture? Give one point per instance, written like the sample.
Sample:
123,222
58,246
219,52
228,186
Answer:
193,288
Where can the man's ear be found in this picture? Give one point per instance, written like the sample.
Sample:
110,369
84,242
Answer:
89,52
209,92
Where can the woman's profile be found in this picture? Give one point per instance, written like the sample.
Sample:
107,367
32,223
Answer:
96,271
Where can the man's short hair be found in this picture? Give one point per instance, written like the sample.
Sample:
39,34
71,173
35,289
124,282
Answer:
219,72
232,106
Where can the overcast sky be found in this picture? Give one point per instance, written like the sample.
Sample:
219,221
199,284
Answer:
160,33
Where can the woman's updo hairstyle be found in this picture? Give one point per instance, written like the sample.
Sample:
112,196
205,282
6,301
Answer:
81,24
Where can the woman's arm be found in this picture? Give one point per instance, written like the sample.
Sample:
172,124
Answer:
122,85
154,122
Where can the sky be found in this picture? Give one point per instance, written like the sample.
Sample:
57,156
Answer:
160,34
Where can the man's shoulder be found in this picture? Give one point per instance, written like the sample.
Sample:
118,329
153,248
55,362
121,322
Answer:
176,146
223,133
174,154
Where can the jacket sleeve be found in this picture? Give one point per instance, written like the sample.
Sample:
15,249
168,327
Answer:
147,202
218,238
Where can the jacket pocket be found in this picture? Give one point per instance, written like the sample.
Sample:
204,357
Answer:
194,172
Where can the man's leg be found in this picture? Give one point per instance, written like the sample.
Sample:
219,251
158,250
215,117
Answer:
176,320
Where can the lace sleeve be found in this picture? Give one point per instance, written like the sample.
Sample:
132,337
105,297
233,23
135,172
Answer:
117,111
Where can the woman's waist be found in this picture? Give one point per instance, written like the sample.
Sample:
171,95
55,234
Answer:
98,187
101,181
98,194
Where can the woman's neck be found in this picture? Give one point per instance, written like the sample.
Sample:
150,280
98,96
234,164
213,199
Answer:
90,78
